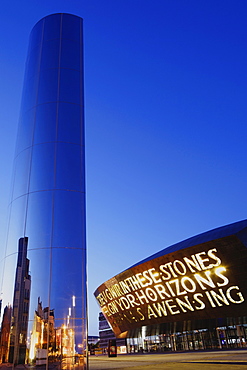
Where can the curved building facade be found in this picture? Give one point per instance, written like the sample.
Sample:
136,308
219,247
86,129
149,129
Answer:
44,281
195,286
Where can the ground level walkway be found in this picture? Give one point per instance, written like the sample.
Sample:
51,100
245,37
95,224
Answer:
203,360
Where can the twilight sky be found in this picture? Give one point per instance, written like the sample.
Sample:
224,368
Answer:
166,121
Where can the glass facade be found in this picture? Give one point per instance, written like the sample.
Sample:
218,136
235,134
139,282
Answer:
155,339
44,280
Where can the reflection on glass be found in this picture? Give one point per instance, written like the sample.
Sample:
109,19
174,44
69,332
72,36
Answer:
21,173
43,335
42,157
26,127
29,96
69,232
66,282
20,308
32,65
39,223
16,227
5,333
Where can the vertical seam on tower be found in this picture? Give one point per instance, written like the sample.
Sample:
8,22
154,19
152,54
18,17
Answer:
34,124
55,177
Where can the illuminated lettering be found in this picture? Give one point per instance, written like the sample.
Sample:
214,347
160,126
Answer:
201,280
177,286
151,312
239,294
184,282
170,307
161,290
116,291
105,311
100,299
112,307
135,282
132,300
181,271
127,318
119,303
125,287
202,260
210,299
218,271
170,289
160,309
202,304
142,280
219,298
125,302
147,276
183,305
141,295
154,275
167,274
140,313
211,255
167,290
193,263
108,294
151,294
104,296
169,265
129,282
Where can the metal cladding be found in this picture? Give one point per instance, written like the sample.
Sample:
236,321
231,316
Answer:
193,284
44,281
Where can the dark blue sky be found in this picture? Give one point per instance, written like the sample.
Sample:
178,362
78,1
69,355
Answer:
166,114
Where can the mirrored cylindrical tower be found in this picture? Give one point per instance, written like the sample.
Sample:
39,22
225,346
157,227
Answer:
44,282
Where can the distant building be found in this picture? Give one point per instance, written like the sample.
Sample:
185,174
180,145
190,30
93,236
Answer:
93,339
106,334
5,334
20,311
43,333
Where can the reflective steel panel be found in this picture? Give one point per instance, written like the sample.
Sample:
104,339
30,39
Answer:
198,282
44,281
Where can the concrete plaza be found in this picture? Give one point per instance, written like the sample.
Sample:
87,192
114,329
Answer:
204,360
210,360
